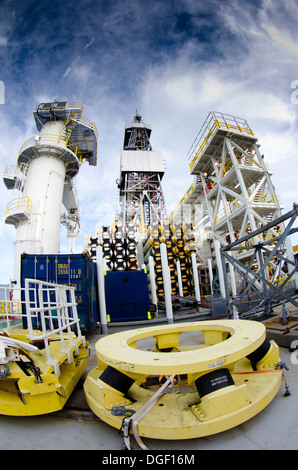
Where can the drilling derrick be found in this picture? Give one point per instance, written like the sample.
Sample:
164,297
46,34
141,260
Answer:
43,179
141,171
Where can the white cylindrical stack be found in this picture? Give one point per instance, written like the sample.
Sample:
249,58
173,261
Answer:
44,187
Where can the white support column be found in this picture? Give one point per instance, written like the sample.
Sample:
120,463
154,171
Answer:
180,285
195,277
101,289
210,273
166,282
152,282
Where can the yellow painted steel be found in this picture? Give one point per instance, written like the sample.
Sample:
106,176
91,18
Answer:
19,205
213,122
25,393
184,414
118,350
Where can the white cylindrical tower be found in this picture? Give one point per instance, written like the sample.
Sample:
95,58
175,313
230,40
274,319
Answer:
44,187
47,163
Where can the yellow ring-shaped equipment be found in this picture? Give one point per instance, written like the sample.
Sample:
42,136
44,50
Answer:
229,377
119,349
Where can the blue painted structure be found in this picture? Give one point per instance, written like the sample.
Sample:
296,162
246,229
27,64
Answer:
127,297
76,270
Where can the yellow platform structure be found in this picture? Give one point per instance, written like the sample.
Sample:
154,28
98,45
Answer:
32,387
227,373
40,365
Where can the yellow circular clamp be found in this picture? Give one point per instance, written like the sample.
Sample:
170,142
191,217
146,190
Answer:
221,381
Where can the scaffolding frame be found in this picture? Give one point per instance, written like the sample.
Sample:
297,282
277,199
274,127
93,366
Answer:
232,191
142,200
141,196
283,281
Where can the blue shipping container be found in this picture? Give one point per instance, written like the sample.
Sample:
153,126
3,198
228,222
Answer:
76,270
127,297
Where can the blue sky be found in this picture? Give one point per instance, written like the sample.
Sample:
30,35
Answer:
173,60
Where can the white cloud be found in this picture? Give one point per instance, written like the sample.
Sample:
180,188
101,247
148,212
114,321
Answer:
283,41
275,108
180,95
182,89
244,65
3,40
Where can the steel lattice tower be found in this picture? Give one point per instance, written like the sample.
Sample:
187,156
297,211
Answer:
141,171
232,193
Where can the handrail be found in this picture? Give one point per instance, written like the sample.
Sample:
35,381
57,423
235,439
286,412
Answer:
49,309
10,308
182,200
75,105
215,120
85,121
36,141
16,170
235,204
18,205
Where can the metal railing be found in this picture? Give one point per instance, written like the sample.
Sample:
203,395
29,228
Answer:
10,308
85,122
48,139
16,174
73,106
215,120
182,201
20,205
235,204
18,171
44,309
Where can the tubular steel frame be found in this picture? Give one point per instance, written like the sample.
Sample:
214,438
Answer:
273,289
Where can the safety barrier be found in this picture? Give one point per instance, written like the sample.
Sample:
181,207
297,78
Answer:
215,120
50,139
18,208
10,308
46,309
18,171
85,122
